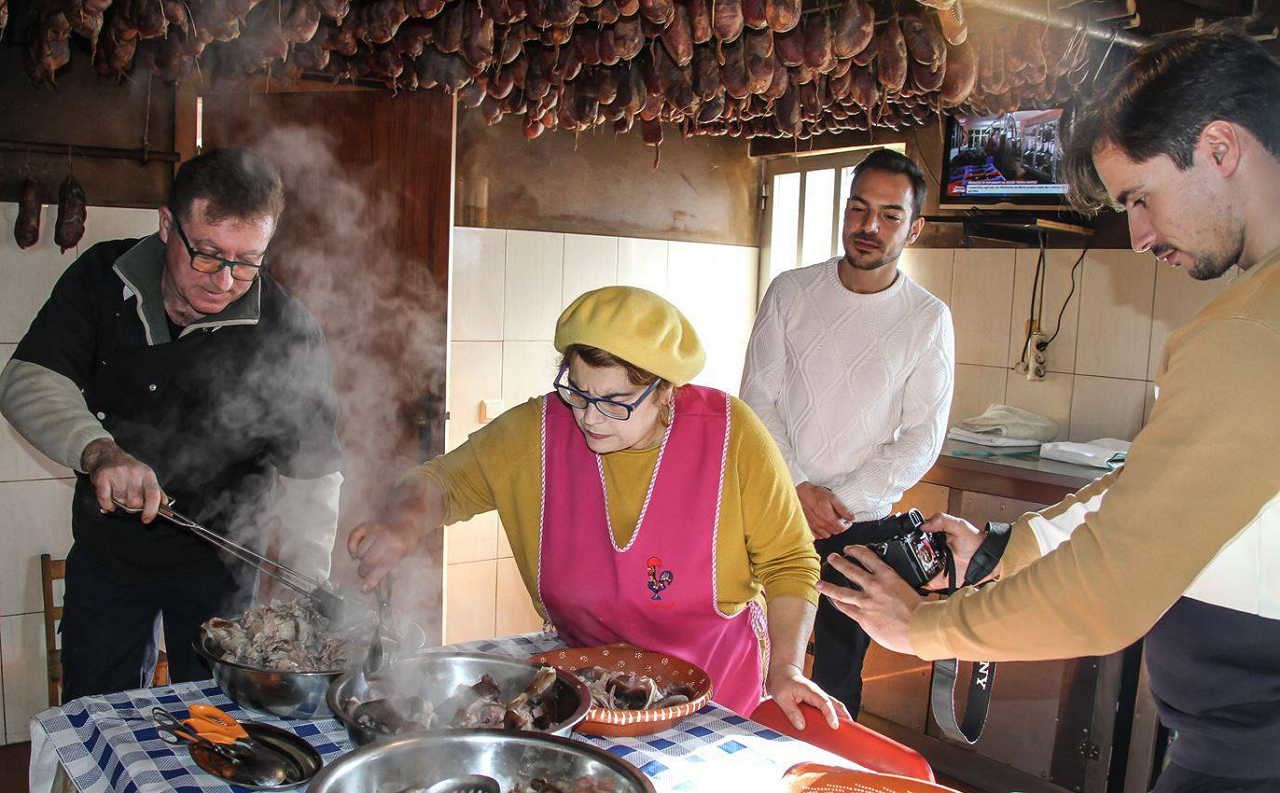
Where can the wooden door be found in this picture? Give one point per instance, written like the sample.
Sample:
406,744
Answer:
364,242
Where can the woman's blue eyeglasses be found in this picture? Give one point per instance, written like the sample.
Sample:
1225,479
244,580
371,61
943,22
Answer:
618,411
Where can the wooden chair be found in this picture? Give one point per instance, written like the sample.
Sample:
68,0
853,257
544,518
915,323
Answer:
55,570
52,570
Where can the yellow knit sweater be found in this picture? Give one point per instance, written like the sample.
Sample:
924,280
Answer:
763,541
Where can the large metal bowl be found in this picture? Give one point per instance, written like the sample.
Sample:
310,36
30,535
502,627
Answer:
436,676
509,757
289,695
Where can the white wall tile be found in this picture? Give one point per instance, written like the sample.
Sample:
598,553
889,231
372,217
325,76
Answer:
932,268
981,300
25,673
37,519
472,540
1050,397
515,613
643,263
1114,337
1179,297
528,368
18,460
1061,355
534,284
1106,407
714,286
470,601
475,374
590,262
504,545
477,278
29,274
977,388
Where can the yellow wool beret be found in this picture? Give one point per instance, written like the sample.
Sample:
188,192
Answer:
637,326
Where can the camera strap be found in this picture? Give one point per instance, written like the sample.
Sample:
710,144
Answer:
942,691
942,699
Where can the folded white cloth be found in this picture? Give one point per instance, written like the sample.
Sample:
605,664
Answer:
988,439
1011,422
1102,453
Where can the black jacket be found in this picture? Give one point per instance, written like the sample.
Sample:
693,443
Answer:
217,412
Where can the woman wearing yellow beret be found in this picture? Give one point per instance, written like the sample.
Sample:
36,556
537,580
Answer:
639,508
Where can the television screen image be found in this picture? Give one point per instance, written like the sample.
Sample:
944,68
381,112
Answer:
1014,157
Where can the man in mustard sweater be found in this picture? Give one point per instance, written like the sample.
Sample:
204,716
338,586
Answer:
1182,546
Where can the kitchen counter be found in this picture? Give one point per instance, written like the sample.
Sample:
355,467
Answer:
1012,472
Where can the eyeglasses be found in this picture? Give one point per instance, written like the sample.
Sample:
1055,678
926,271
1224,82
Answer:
618,411
208,263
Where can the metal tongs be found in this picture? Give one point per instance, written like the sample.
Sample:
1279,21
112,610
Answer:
327,603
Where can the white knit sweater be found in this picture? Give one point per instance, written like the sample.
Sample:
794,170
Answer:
854,388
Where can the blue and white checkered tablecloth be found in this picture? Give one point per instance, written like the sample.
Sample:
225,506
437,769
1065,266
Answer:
108,743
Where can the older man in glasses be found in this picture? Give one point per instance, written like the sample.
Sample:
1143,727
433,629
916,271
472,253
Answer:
174,367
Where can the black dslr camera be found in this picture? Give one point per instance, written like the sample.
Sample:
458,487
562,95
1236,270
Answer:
915,555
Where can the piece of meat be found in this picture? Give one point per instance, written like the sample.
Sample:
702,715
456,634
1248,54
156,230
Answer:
26,229
733,72
789,47
961,77
605,13
818,52
854,29
477,36
726,20
659,12
921,46
383,19
50,48
866,89
302,22
706,73
677,38
782,15
754,15
448,26
781,79
337,10
892,56
955,28
116,49
759,59
628,38
699,20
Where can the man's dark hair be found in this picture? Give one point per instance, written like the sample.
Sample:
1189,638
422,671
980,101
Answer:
1162,100
890,161
236,182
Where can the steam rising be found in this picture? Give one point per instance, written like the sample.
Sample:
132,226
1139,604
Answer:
383,319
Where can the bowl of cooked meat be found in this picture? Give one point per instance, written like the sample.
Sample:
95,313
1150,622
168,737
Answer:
633,691
279,658
457,690
494,761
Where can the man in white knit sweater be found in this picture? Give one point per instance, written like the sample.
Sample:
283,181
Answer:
851,367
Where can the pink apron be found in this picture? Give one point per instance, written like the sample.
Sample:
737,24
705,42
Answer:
658,592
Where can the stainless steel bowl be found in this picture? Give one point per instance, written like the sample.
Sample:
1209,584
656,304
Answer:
290,695
509,757
436,676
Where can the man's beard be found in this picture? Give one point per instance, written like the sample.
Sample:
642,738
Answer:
887,256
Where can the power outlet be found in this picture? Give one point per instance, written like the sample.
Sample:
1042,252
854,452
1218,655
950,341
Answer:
1035,358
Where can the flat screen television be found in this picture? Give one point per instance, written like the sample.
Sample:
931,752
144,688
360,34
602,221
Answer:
1012,159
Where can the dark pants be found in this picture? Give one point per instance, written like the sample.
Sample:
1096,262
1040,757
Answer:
107,623
1176,779
839,643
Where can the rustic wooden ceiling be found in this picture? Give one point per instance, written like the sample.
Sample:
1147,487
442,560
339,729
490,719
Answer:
745,68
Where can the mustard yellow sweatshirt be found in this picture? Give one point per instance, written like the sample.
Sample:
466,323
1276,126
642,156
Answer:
763,542
1200,472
